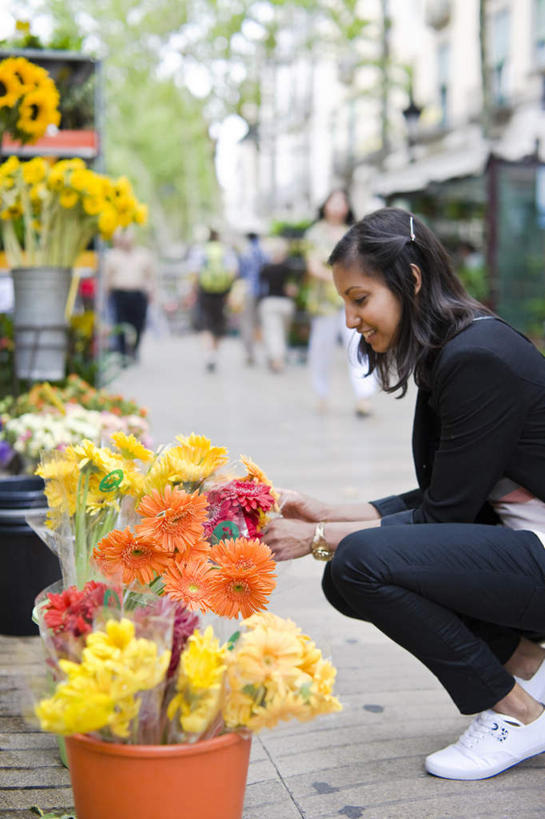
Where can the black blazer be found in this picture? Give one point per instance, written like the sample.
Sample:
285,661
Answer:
483,419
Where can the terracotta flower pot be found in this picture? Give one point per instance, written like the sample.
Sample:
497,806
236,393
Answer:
204,780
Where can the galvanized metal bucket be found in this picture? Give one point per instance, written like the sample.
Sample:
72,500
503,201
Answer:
41,294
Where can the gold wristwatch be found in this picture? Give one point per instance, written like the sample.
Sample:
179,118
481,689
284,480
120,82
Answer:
320,549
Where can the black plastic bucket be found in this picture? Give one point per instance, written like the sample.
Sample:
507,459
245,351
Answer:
27,565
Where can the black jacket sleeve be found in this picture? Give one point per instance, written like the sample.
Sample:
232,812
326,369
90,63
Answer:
478,400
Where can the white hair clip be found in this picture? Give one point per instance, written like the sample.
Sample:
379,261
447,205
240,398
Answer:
411,229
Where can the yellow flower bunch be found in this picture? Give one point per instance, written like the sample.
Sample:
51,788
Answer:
84,486
188,464
29,100
63,206
275,672
200,683
101,691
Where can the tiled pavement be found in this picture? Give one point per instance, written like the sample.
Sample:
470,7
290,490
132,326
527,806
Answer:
367,760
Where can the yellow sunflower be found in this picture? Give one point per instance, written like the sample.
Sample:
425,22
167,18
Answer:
11,87
36,112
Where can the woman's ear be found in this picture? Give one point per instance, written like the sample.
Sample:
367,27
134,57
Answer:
417,275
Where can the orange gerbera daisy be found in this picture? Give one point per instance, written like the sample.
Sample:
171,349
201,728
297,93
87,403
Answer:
125,553
189,583
199,551
243,578
172,519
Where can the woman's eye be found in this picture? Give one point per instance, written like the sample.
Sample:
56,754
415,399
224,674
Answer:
360,300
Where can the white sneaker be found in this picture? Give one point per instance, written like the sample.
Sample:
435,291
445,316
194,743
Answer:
535,686
492,743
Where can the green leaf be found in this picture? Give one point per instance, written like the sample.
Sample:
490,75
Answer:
231,642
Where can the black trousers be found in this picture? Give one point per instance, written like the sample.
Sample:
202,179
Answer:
129,307
458,596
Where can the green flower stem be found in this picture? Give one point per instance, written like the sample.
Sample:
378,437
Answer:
13,249
82,559
30,244
106,526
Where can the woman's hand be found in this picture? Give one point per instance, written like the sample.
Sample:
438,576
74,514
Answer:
294,504
288,539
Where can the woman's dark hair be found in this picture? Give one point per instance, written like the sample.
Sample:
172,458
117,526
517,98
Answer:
350,218
385,243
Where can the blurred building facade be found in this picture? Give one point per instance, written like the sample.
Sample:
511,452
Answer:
440,109
471,160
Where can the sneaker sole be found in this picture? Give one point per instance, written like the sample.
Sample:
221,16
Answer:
482,774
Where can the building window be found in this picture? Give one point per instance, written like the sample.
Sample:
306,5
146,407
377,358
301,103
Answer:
499,53
443,63
539,33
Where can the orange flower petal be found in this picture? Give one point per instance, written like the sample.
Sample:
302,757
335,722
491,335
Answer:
172,519
123,553
189,583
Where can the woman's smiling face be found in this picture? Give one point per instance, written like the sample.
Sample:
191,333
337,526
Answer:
370,306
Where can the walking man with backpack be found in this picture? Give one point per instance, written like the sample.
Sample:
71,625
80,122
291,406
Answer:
215,266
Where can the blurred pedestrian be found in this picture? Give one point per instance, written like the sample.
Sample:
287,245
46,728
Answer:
325,306
251,260
131,283
215,267
277,306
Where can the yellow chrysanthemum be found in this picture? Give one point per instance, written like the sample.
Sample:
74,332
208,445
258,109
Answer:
237,709
55,179
107,222
130,447
283,707
92,205
68,198
100,691
263,654
69,712
197,712
141,214
202,662
111,642
35,170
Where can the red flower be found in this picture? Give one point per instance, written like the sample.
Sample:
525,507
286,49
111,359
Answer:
73,610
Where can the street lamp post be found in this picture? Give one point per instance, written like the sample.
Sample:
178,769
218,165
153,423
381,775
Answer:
412,114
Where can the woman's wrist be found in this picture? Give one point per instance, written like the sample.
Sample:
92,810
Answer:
349,512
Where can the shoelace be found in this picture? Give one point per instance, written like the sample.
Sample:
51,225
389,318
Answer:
483,725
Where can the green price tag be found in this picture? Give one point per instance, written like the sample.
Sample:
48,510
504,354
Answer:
111,481
225,530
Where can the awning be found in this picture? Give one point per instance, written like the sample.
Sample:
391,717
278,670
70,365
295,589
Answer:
436,168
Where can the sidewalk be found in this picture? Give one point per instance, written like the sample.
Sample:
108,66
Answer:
366,761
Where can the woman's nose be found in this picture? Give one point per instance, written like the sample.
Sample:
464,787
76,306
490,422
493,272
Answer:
351,320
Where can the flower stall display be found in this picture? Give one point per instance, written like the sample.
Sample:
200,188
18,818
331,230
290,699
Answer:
49,418
50,211
29,100
158,550
60,207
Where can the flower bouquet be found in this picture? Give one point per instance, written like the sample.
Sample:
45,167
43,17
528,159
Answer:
175,520
28,100
50,212
146,693
136,675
